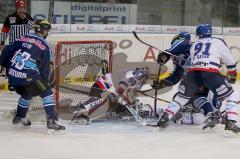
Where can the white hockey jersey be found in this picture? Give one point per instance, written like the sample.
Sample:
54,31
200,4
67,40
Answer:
208,54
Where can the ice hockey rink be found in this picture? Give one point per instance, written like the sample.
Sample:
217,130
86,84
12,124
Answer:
108,139
90,35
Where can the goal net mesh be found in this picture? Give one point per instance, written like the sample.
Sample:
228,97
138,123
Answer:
78,65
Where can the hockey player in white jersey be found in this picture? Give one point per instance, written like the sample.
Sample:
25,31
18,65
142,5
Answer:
207,55
108,94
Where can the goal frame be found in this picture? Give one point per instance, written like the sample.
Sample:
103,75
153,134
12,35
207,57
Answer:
58,61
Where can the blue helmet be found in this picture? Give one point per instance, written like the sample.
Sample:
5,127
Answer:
204,30
185,35
181,36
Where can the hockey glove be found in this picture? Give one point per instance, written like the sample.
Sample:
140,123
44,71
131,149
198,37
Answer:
162,58
232,76
162,84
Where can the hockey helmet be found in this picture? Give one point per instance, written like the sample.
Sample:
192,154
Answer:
181,36
41,25
204,30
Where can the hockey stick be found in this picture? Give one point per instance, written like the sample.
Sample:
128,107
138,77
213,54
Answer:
156,91
145,91
137,117
136,36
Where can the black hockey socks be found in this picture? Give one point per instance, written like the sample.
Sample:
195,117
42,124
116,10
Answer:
22,108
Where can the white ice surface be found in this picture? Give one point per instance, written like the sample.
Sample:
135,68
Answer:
113,139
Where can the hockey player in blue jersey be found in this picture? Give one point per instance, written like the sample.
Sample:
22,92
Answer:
28,63
180,46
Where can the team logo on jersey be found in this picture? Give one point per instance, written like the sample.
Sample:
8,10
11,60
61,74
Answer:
12,20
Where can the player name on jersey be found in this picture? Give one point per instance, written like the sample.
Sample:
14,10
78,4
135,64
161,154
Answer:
17,74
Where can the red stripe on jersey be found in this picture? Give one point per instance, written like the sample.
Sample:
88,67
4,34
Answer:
203,69
100,85
169,111
234,113
5,29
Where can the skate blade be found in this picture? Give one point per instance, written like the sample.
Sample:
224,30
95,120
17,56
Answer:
208,130
81,122
20,126
229,133
56,132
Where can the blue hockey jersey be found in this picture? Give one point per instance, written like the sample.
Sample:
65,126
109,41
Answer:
27,60
180,48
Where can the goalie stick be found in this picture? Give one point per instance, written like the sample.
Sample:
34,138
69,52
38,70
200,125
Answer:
137,117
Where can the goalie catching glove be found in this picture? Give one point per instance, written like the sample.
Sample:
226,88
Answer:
162,84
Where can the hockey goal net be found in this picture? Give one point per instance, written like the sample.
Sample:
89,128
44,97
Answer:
77,64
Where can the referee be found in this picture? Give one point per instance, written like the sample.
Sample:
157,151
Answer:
16,24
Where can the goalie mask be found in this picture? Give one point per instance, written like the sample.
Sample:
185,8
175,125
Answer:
141,74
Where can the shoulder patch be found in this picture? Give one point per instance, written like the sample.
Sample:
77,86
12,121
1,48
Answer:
12,20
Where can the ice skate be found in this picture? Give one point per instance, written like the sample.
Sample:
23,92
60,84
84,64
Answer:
80,119
177,118
211,121
231,128
21,122
54,127
163,121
